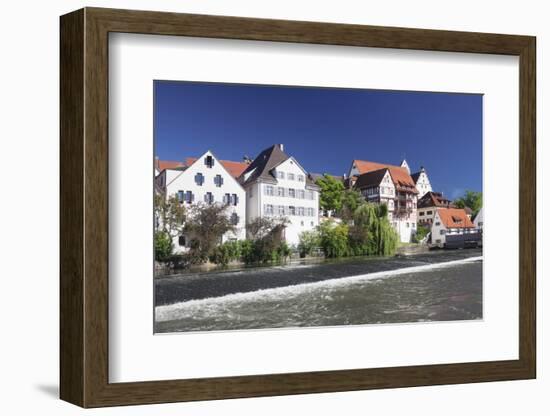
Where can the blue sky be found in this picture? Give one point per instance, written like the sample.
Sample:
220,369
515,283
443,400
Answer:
325,128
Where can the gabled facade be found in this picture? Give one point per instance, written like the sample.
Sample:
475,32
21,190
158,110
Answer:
277,186
428,204
449,223
403,193
422,182
478,220
205,180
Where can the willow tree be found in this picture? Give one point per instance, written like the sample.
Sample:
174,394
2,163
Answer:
371,232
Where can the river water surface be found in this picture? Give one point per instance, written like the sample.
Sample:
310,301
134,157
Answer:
439,287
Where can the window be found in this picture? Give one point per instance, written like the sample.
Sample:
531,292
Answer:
312,223
209,161
437,223
269,190
302,223
292,192
301,194
234,218
199,179
442,232
438,241
301,212
291,210
421,213
310,195
480,223
310,212
268,209
280,191
290,176
429,212
189,197
227,199
218,180
181,241
301,178
234,199
280,175
208,198
407,224
180,196
281,210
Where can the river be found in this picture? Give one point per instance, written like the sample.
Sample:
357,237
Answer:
437,286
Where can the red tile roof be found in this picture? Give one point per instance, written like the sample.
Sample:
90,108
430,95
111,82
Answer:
454,218
400,176
234,168
168,164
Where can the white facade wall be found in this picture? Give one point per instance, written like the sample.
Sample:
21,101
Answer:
440,231
478,220
426,215
287,198
423,184
177,180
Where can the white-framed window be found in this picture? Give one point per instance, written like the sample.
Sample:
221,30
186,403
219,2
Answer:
280,175
301,194
269,190
280,191
268,209
199,179
291,210
437,223
301,212
290,176
281,210
209,161
209,198
301,178
442,232
292,192
310,195
218,180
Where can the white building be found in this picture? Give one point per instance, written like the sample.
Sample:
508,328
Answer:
277,186
450,221
478,220
422,182
393,185
206,181
428,204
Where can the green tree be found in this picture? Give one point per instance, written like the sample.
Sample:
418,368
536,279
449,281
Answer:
309,241
163,245
266,242
169,214
207,225
351,200
371,233
331,194
334,239
472,200
169,220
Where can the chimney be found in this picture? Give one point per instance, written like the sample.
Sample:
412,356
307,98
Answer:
282,147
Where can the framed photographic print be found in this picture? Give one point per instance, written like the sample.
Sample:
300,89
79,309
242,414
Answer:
256,207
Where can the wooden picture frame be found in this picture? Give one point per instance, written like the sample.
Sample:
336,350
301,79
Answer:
84,207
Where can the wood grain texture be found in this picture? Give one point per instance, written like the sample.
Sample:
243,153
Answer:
84,207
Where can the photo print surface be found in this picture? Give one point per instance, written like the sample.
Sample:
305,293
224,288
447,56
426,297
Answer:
288,206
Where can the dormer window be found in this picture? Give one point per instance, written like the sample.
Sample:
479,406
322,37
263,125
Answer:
218,180
209,161
199,179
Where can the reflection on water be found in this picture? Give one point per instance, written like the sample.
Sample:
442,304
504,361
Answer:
435,293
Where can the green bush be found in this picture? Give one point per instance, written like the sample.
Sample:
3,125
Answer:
334,239
421,233
226,253
163,246
309,241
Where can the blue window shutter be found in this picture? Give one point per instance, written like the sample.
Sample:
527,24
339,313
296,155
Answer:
221,180
180,196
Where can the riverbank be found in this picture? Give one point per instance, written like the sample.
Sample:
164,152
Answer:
186,287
